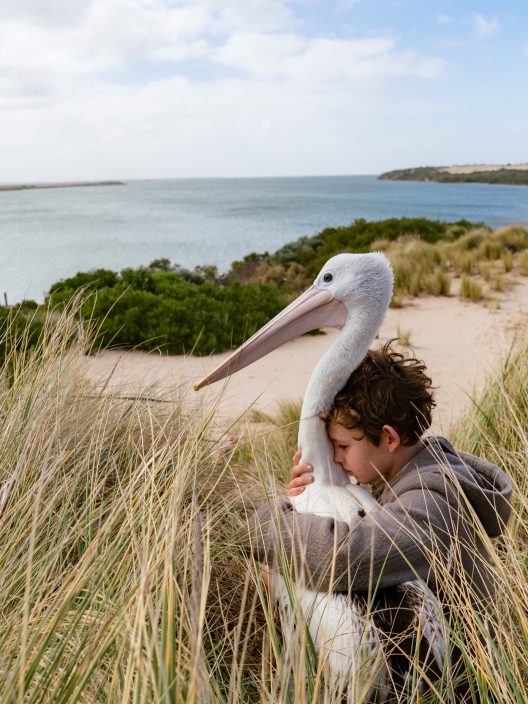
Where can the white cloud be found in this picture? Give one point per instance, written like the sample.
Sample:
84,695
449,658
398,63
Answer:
262,55
525,48
111,36
95,36
292,57
240,15
485,27
52,12
443,19
81,94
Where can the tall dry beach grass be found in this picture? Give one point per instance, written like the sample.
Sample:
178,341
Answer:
485,261
123,571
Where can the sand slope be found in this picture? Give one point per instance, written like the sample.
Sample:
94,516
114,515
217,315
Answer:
460,342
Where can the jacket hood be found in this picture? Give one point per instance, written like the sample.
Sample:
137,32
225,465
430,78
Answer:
487,487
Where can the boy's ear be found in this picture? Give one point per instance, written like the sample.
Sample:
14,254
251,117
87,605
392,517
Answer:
390,438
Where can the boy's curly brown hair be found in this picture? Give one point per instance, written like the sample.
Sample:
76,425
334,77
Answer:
385,389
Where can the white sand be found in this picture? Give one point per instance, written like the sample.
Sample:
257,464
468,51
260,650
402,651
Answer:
460,342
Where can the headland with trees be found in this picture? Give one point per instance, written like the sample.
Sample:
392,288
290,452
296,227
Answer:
507,174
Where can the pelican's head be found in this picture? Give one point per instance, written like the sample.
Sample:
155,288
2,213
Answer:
357,280
349,285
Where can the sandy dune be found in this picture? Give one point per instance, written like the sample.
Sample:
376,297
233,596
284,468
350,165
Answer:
460,342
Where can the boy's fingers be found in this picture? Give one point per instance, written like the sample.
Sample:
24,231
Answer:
300,476
295,492
300,469
300,482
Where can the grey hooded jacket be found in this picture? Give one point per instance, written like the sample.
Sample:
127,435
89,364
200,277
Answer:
433,521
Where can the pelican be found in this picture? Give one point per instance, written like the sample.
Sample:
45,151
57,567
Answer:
351,292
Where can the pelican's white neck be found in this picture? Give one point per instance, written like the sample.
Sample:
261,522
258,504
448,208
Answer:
337,364
328,378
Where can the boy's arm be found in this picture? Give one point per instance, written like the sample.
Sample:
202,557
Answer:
397,543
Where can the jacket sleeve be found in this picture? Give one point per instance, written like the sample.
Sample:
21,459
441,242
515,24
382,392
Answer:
398,542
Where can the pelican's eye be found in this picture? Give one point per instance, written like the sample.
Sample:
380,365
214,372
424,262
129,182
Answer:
328,278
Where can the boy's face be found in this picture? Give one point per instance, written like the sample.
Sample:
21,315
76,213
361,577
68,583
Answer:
359,457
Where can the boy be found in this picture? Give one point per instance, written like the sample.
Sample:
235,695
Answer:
436,505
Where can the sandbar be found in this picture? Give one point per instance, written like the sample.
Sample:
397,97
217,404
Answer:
57,184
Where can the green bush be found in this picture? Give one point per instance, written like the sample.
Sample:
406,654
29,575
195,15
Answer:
65,289
20,328
158,309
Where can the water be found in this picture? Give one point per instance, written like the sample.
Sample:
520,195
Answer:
46,235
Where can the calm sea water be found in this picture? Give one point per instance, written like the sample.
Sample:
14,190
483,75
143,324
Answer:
46,235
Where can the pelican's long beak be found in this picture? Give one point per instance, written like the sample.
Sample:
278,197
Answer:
311,310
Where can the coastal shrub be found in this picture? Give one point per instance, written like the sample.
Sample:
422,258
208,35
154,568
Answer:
25,306
20,329
280,274
244,270
65,289
157,309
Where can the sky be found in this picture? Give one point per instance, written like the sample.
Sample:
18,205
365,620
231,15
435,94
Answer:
132,89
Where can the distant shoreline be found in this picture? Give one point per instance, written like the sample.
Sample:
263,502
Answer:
507,174
58,184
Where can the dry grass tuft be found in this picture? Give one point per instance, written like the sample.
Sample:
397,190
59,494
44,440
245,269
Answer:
479,256
404,337
470,290
523,263
124,573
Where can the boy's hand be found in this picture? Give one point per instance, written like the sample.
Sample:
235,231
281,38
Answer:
300,476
